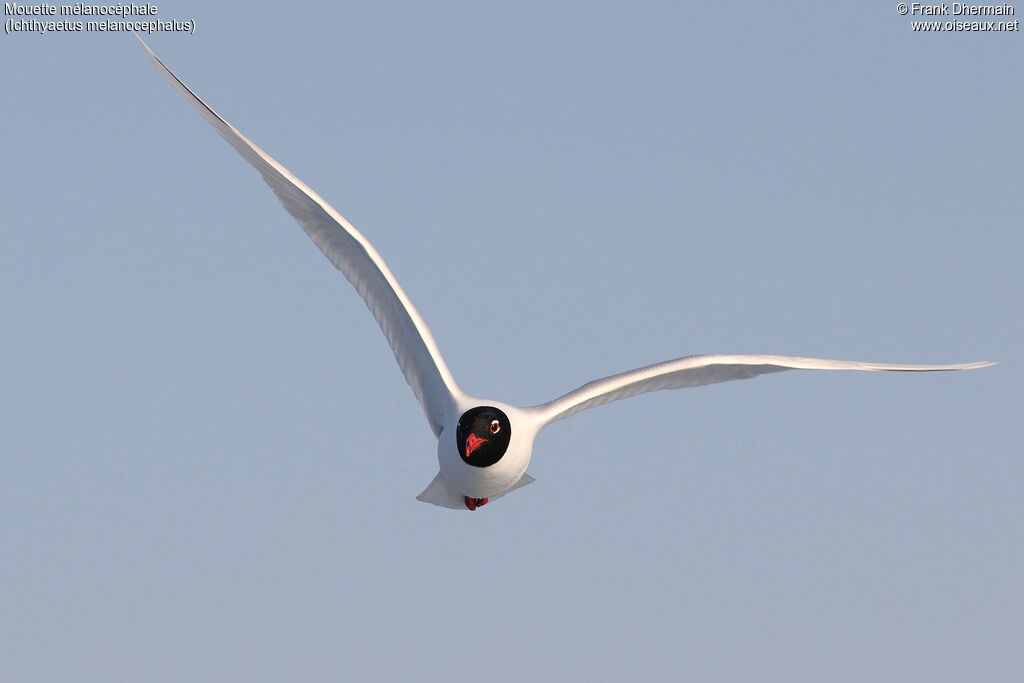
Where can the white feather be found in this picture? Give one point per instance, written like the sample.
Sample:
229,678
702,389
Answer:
351,253
695,371
424,368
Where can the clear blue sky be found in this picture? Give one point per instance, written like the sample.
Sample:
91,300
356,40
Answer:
208,457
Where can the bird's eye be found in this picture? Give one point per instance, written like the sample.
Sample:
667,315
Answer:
495,427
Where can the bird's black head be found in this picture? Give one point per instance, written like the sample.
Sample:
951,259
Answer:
482,436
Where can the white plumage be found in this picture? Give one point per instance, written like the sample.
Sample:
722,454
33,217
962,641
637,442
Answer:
460,483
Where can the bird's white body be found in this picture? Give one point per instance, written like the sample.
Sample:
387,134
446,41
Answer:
493,481
459,481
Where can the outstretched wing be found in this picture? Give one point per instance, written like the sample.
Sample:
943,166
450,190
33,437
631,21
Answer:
351,253
695,371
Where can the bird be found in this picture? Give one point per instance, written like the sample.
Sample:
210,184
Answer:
484,446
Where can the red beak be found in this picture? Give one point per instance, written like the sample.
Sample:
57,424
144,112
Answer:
474,442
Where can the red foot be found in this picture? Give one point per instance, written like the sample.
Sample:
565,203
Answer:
474,503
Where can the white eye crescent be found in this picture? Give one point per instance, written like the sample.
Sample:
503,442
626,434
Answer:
495,427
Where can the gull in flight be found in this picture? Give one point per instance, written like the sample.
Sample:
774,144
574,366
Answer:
483,445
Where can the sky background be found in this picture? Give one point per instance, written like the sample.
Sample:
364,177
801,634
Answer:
208,457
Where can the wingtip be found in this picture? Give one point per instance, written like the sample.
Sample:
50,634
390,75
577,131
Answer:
968,366
145,46
959,366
